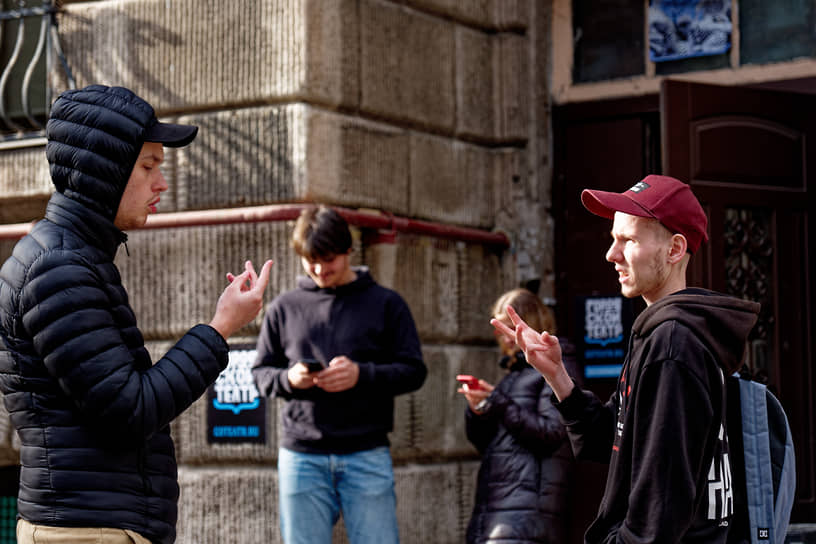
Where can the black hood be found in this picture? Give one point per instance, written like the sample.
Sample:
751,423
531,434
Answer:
94,136
721,322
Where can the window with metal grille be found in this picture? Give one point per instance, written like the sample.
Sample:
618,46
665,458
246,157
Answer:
28,41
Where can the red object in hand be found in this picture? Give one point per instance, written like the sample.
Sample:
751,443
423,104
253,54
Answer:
471,381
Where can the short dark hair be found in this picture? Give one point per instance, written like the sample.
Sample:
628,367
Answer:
320,232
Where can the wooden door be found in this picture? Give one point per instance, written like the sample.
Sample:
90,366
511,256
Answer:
606,145
750,157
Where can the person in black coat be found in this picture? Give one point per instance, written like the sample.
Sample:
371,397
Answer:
92,412
523,482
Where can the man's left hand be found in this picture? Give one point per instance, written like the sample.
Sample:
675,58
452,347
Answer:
341,375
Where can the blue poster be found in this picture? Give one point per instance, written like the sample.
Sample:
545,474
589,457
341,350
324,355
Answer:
604,323
681,29
236,411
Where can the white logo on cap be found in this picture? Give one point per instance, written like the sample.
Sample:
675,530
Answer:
639,186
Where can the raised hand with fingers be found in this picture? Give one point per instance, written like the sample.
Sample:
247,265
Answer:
542,351
241,300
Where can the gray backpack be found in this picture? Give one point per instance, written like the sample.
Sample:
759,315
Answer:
763,464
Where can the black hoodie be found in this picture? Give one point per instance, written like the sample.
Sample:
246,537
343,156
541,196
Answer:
369,324
663,431
91,410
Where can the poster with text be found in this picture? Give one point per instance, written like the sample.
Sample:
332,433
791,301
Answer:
604,322
236,412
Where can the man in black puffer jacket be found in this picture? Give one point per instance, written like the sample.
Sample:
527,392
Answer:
93,414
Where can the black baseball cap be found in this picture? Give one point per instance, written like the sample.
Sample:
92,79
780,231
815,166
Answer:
169,134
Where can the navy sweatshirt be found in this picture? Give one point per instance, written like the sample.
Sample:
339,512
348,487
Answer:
369,324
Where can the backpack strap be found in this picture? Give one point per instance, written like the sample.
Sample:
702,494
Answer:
783,462
757,452
767,442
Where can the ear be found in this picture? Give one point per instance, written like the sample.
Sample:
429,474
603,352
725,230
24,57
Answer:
677,249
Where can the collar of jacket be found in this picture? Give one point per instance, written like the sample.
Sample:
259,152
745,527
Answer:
364,279
90,225
514,362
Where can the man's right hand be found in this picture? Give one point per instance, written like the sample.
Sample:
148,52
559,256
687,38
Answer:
300,377
241,300
541,350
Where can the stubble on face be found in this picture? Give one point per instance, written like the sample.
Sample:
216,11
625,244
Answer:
640,257
145,184
657,274
652,271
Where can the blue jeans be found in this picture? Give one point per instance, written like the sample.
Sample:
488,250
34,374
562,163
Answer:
316,488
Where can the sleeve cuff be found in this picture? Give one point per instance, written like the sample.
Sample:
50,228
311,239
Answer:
573,405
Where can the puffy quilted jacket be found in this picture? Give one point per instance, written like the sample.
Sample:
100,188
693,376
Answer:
522,490
92,412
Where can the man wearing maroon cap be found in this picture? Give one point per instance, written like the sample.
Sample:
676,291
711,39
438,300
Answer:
663,431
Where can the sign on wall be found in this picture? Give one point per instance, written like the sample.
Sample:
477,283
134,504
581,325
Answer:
236,412
681,29
604,325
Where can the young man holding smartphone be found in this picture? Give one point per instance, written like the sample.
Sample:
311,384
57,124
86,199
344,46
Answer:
334,456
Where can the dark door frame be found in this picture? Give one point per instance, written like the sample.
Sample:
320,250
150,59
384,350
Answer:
576,231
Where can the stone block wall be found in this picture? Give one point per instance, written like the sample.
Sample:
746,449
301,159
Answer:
24,183
428,441
427,109
239,506
174,276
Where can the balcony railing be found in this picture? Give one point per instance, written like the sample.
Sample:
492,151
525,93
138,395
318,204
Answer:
29,42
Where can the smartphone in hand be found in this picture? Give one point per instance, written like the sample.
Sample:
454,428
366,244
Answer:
313,364
471,381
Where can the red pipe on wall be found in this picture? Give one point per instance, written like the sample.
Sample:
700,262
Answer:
288,212
15,231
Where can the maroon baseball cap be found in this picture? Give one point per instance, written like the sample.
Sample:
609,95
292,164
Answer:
664,198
